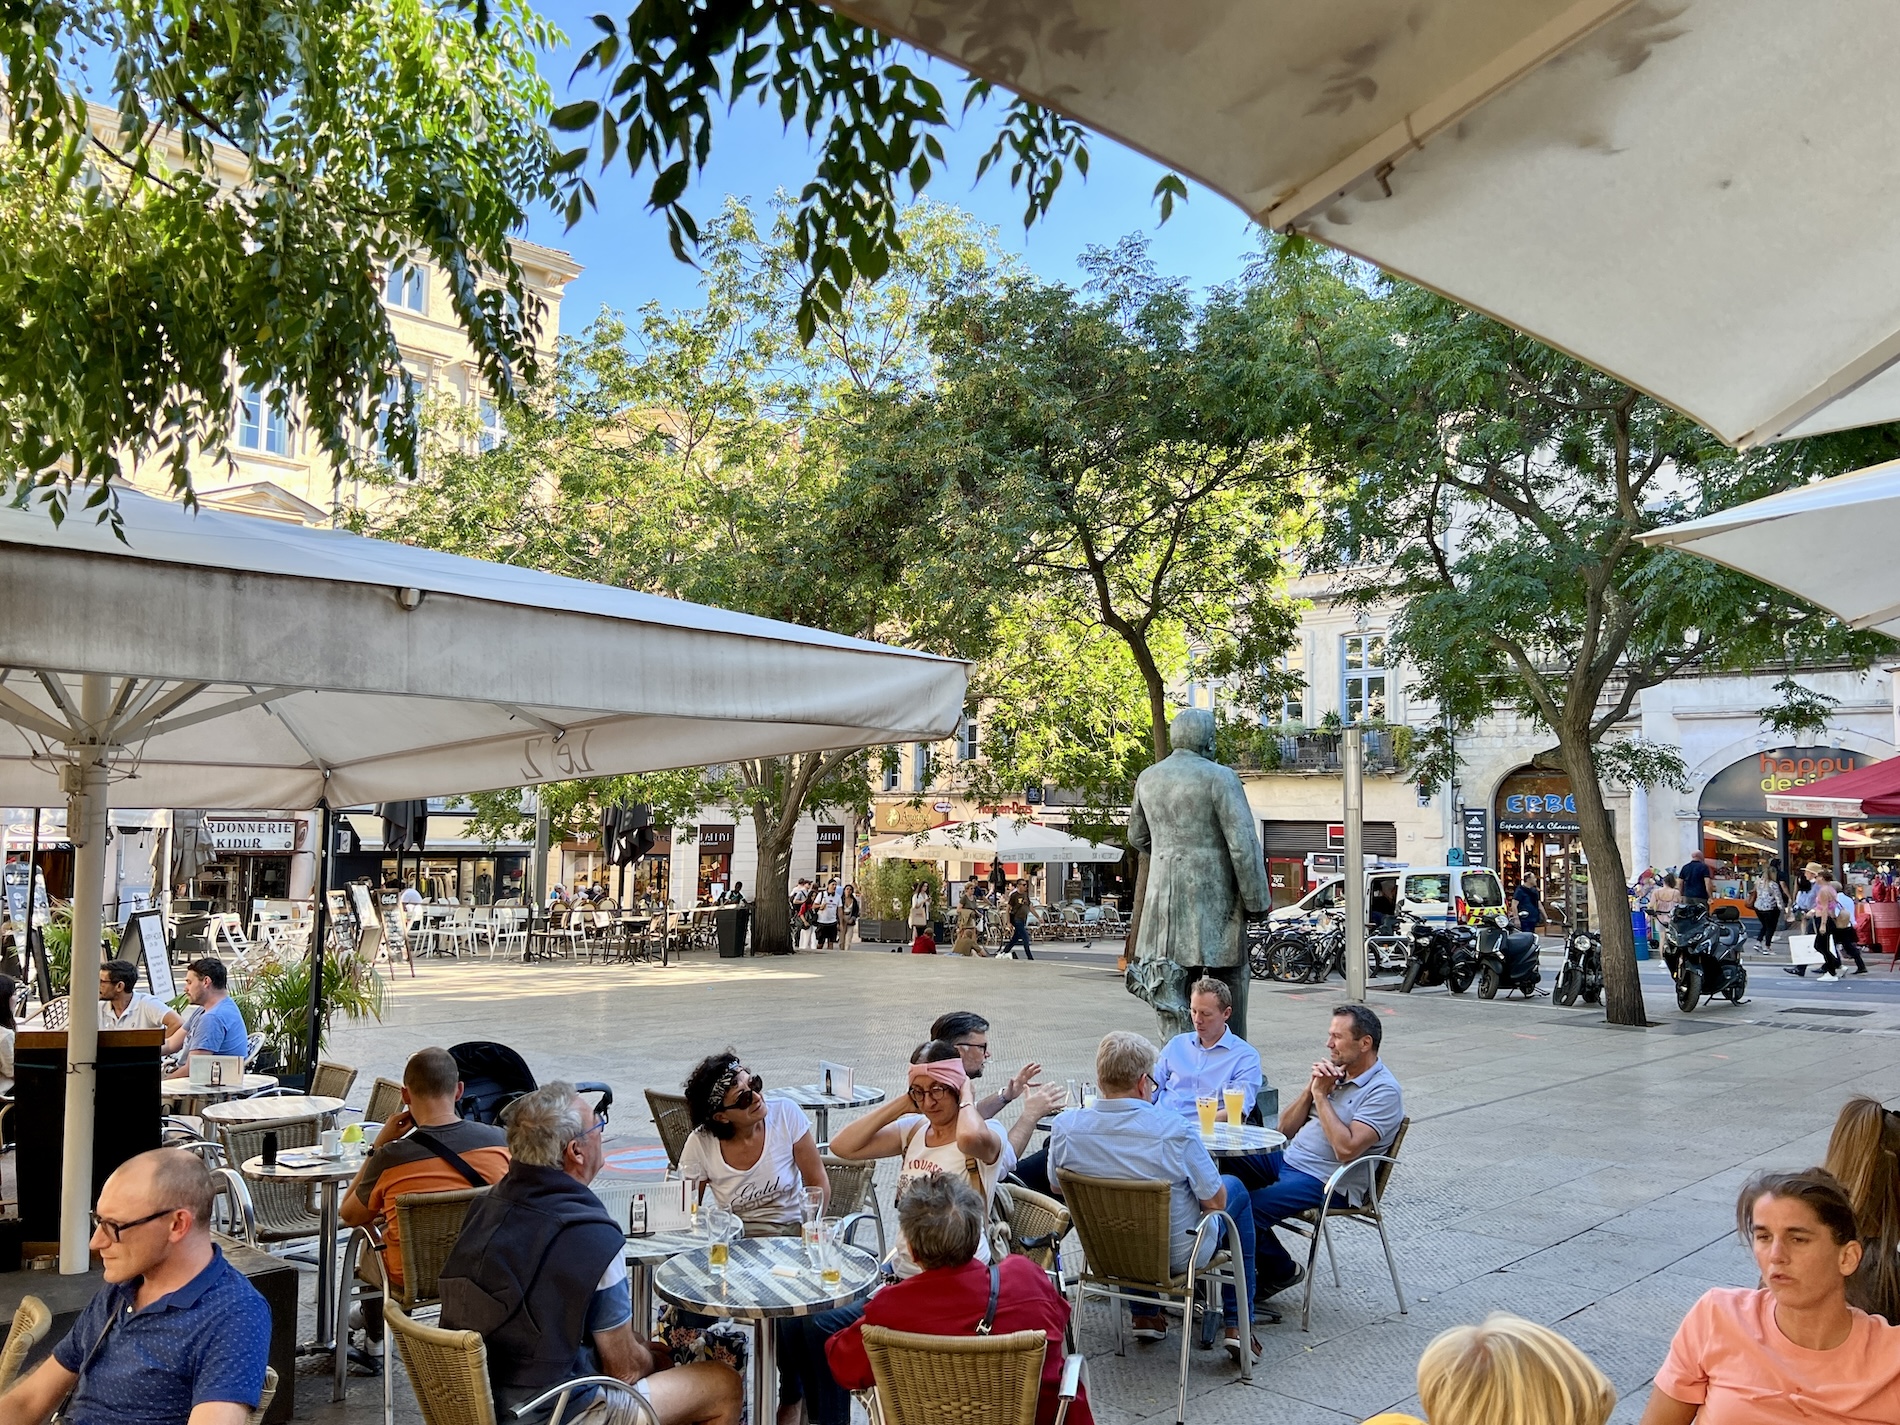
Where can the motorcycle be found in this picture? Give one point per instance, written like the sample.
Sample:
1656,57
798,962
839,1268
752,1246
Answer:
1704,953
1440,955
1508,961
1582,973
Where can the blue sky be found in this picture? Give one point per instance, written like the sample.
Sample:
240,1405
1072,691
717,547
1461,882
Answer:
624,249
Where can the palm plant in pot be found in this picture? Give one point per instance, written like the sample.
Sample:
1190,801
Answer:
275,1000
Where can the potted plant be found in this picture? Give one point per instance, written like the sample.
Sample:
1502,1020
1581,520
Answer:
275,1001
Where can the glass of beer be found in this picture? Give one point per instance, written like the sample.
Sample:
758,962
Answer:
830,1266
721,1228
1236,1105
1205,1105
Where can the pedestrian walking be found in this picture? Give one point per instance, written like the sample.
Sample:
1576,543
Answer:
1821,914
1695,877
919,914
850,908
1018,910
1771,898
1530,907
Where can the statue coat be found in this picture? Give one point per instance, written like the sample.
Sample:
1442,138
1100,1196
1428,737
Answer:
1191,816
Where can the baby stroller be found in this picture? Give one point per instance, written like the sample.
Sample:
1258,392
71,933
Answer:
494,1076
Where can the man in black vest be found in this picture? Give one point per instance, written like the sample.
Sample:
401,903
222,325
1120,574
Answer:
539,1271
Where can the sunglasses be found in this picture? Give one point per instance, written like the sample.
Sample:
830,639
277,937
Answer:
746,1096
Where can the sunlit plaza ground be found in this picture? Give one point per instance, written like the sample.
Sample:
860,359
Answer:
1575,1174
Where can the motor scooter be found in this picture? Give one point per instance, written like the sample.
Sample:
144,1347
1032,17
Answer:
1704,954
1582,973
1507,961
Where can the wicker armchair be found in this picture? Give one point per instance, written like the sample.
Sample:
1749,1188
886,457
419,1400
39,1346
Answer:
1037,1225
675,1123
284,1210
449,1372
332,1080
1126,1237
1315,1223
30,1324
973,1380
265,1397
385,1101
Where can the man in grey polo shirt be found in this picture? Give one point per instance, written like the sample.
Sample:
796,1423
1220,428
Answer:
1351,1106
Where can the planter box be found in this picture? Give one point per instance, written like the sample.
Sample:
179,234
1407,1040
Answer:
883,932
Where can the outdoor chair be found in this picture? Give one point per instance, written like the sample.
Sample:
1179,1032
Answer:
332,1080
427,1224
283,1210
972,1380
1124,1227
1316,1222
455,931
510,933
264,1398
482,923
1037,1225
385,1101
30,1325
854,1193
448,1371
674,1122
240,1220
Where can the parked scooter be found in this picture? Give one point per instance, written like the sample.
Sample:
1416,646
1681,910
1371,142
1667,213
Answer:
1440,955
1508,961
1704,954
1582,973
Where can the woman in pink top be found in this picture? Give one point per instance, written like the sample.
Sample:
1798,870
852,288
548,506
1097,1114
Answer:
1792,1352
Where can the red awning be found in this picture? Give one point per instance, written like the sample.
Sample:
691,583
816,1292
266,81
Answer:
1868,791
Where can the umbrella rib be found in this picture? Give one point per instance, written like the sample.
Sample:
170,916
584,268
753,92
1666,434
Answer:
57,691
316,758
553,729
142,718
1844,381
176,724
18,711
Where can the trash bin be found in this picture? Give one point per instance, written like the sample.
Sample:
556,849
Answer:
730,924
1639,926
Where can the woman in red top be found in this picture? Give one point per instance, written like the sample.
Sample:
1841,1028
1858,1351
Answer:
942,1219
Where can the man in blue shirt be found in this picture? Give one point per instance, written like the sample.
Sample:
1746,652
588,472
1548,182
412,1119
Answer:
216,1025
1351,1106
1126,1136
1694,878
178,1336
1209,1060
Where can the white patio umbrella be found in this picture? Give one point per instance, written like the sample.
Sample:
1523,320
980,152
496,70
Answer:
1831,542
1697,196
220,660
996,838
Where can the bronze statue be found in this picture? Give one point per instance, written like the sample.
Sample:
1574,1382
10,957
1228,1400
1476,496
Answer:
1205,872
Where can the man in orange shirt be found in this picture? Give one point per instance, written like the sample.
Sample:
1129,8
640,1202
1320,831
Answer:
424,1148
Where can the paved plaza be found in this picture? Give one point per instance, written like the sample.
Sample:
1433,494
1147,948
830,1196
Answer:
1572,1173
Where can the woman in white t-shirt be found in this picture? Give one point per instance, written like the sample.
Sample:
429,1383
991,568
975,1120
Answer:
933,1129
755,1155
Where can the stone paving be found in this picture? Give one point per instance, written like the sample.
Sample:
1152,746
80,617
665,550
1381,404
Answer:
1574,1173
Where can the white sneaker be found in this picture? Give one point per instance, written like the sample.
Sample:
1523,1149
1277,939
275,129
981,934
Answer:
1827,979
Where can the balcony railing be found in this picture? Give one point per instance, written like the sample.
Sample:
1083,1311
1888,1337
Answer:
1318,752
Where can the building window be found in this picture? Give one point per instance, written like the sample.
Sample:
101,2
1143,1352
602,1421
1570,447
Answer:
966,748
407,287
1363,698
494,429
920,766
890,775
1290,706
260,426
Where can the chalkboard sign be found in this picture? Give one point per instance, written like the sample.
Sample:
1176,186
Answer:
144,943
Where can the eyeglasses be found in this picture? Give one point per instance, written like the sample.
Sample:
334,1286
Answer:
600,1122
746,1096
929,1091
115,1231
982,1049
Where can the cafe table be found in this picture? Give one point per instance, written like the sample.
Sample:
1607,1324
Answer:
765,1278
183,1088
814,1098
263,1110
1238,1140
307,1165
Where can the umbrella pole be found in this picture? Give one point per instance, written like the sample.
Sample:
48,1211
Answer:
86,826
32,886
319,940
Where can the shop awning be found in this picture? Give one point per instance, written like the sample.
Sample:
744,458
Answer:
1867,792
1697,197
997,838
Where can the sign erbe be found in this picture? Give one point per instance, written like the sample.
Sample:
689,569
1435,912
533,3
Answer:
231,835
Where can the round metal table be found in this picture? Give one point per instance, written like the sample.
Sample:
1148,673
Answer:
329,1174
644,1254
263,1110
813,1097
185,1088
749,1290
1238,1140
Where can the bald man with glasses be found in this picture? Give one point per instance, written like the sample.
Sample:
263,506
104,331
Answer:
178,1336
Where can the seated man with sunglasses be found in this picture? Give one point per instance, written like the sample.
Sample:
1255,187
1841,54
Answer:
539,1270
178,1336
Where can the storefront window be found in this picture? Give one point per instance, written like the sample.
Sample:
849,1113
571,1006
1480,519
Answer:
1868,847
1738,851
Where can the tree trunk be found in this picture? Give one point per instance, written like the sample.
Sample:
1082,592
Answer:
1622,986
772,900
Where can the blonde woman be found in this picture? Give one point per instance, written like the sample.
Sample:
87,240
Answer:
1507,1371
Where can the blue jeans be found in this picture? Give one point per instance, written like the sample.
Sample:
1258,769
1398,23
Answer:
1279,1192
803,1368
1019,933
1238,1208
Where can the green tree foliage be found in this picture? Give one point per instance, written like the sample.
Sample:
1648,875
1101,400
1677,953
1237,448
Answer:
701,454
672,66
145,283
1496,489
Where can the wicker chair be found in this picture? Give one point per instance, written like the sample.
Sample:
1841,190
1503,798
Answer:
674,1121
854,1194
284,1210
972,1380
1316,1222
449,1373
427,1224
385,1101
1037,1225
1126,1236
332,1080
269,1393
30,1324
